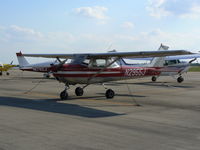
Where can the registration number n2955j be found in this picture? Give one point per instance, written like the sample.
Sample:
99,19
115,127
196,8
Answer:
135,72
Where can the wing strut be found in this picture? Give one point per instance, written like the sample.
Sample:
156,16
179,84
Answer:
192,60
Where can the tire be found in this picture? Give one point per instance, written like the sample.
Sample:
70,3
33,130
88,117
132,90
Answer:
64,95
180,79
7,73
154,79
110,94
48,76
79,91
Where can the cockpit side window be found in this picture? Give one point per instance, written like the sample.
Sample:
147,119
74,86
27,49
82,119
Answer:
171,62
100,63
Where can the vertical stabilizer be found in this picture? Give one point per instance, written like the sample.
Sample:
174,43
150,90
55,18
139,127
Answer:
159,61
22,60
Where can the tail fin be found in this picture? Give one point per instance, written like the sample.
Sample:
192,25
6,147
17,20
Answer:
21,59
159,61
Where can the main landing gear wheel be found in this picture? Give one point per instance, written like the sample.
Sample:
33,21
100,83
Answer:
1,73
110,94
7,73
79,91
64,95
180,79
153,79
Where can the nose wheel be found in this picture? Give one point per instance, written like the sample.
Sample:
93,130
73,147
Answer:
64,95
110,94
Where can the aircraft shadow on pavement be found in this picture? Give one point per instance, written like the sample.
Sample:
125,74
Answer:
55,107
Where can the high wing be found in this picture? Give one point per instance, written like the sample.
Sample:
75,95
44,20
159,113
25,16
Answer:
140,54
173,57
183,57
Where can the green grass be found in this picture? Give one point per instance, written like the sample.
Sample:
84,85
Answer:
194,69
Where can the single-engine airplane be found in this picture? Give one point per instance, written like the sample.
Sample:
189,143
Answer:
176,68
6,67
89,68
173,66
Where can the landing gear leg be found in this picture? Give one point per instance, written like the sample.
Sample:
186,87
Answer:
64,94
180,79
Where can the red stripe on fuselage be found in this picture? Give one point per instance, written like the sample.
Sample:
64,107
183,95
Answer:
123,72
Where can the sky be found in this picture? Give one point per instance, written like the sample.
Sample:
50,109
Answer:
79,26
